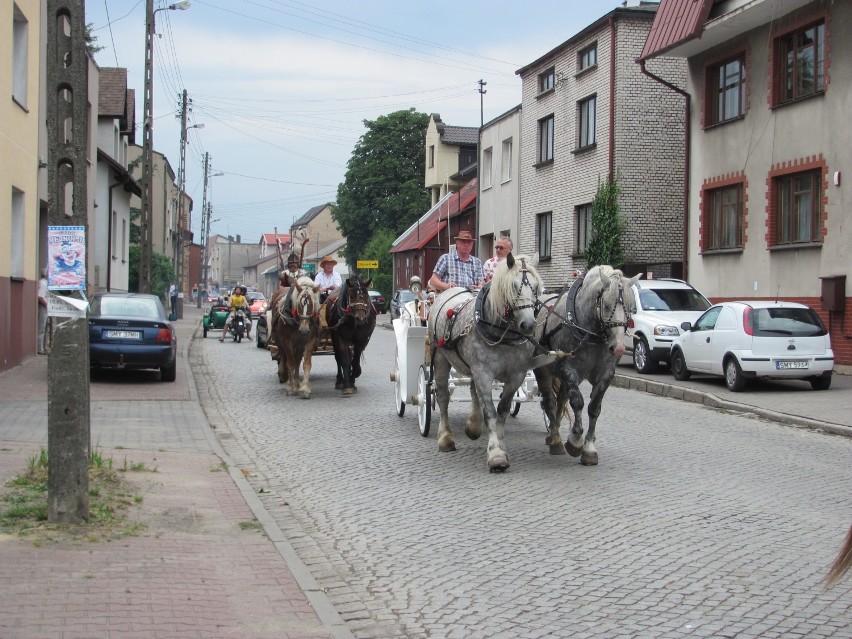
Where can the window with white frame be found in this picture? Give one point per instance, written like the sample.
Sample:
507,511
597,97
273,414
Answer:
16,238
587,57
584,227
487,165
547,80
20,56
545,139
586,122
506,161
544,227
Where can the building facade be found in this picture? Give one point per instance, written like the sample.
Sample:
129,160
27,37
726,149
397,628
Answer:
449,151
499,180
588,114
768,198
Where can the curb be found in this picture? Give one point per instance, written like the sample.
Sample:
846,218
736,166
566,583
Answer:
713,401
318,599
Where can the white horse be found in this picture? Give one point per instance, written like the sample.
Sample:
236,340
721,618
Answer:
296,331
587,323
486,336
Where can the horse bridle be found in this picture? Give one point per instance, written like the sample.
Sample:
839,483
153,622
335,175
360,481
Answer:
306,302
607,323
351,307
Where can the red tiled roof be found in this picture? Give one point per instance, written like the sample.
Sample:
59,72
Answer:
421,234
269,238
676,22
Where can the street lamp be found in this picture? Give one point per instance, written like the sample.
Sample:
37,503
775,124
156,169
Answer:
145,268
183,224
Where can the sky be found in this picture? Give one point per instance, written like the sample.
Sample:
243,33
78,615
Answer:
280,89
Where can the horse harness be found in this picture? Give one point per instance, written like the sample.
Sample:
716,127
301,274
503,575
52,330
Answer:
291,314
351,306
582,334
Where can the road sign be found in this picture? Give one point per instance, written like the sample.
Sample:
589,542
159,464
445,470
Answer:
367,263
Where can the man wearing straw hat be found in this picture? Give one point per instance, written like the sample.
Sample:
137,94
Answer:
328,279
458,268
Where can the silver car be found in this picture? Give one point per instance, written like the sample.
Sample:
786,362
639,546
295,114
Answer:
749,339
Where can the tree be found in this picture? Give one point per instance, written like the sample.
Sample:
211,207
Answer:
383,187
162,272
608,225
378,248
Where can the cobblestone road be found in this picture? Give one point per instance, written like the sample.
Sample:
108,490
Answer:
696,523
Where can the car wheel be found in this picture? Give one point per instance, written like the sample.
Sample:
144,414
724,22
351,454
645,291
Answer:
679,369
642,361
821,382
168,373
734,375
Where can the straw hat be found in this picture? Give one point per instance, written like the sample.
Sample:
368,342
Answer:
328,259
464,235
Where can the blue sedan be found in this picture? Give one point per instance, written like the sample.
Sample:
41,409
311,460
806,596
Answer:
131,331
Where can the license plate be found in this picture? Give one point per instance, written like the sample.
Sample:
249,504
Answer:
123,335
785,364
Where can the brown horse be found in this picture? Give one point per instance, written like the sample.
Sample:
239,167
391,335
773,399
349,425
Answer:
351,319
296,327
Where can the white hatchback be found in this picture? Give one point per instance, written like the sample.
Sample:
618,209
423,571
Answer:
748,339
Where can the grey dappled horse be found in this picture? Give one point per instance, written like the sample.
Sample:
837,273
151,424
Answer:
587,323
486,336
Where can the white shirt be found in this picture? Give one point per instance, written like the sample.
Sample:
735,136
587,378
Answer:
325,281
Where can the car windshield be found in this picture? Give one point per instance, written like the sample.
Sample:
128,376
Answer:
126,307
672,299
794,322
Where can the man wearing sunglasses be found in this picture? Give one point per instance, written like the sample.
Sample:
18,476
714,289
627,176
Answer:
502,247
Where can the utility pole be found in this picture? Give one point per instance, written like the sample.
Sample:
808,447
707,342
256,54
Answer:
482,93
205,225
68,437
181,225
145,235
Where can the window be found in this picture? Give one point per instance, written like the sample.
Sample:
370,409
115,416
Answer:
588,57
16,238
20,56
545,140
543,234
547,80
506,161
797,211
586,121
431,156
724,217
800,63
584,227
726,91
487,159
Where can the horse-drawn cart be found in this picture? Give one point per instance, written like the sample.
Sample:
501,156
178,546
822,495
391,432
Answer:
411,375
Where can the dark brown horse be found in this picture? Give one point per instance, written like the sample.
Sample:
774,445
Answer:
296,327
351,319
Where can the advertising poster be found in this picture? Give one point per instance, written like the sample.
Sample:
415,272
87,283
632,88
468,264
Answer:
66,261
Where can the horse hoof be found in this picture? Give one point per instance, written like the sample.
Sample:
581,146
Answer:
305,395
348,391
572,450
472,433
498,464
338,386
446,446
557,449
589,459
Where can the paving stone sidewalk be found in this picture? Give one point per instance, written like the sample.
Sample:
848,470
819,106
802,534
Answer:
209,563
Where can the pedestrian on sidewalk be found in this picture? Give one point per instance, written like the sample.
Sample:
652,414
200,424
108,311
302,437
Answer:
42,313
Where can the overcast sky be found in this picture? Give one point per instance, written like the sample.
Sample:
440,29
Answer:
282,87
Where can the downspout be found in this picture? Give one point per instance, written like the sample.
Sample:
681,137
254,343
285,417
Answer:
612,37
687,146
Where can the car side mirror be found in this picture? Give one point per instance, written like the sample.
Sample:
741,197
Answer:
686,326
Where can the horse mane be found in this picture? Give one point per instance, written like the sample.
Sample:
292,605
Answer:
503,282
842,562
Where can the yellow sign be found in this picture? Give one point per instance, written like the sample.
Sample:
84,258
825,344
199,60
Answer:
368,263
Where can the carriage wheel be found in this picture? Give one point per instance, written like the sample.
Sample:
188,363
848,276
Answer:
424,403
399,400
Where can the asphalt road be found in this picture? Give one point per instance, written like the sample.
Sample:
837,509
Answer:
698,522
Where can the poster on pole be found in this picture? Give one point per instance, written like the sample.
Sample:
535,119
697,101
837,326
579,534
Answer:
66,265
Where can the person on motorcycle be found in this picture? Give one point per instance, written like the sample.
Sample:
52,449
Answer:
236,302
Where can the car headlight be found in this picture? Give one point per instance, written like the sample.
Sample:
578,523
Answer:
665,330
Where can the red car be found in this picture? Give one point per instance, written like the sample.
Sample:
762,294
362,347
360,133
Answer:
257,303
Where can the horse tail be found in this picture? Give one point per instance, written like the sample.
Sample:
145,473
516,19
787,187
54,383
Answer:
842,562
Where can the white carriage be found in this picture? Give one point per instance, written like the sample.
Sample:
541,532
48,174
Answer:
412,376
